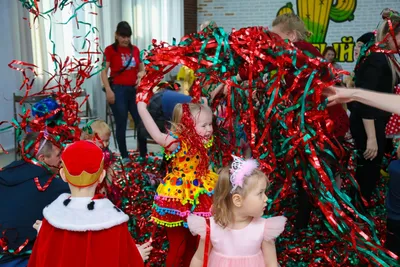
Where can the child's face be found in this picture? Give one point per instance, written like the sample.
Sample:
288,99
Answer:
357,49
105,138
204,124
256,200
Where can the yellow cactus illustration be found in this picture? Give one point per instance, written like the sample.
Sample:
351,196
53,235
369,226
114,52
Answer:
316,14
286,9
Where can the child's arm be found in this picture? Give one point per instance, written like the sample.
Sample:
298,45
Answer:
269,252
197,260
160,138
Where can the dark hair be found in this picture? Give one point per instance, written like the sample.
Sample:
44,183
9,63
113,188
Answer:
124,30
329,48
366,37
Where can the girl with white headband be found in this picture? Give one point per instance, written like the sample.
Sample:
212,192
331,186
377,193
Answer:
237,235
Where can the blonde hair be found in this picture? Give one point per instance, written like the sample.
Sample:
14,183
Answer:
96,127
195,109
222,203
292,22
207,23
383,30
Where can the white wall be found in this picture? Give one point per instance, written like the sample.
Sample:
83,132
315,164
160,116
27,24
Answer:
239,13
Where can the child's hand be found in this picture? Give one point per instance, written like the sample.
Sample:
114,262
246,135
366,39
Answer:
143,98
37,225
145,250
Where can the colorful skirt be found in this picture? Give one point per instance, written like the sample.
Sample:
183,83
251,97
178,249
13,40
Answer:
176,198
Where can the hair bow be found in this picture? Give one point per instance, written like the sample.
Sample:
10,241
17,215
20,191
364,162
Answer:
240,169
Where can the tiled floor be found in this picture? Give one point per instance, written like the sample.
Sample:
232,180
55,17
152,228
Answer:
5,159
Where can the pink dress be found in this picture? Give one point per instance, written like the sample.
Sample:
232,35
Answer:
238,248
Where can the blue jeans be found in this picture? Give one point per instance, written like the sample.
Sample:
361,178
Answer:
125,101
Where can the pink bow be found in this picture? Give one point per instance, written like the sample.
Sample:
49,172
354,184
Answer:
240,169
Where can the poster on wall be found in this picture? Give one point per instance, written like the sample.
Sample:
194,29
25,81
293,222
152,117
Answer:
317,15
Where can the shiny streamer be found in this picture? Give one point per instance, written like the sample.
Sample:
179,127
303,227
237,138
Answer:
133,189
281,113
57,116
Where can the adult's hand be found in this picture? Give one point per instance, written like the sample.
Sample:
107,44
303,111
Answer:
338,95
372,149
139,77
110,96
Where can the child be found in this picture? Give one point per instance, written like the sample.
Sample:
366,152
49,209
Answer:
189,186
239,235
81,228
99,132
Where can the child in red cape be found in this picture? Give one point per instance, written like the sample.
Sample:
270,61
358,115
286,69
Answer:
82,229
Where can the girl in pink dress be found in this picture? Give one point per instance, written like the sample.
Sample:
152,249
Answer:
238,235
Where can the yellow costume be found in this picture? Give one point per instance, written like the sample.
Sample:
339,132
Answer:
182,192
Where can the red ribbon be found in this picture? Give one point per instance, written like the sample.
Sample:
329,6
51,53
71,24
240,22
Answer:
207,243
38,185
4,245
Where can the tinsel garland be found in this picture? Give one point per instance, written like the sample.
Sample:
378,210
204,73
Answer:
286,125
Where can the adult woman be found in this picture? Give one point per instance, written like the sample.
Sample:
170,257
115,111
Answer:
375,71
362,40
389,103
123,59
330,54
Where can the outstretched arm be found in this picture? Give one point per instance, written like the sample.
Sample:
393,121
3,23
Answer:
159,137
383,101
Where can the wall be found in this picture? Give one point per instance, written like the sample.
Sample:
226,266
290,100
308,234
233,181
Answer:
190,16
237,14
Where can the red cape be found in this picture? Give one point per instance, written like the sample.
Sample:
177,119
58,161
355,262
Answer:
72,234
110,247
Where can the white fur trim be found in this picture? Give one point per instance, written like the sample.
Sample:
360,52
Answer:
77,217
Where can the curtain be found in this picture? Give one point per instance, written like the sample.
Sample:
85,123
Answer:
16,45
155,19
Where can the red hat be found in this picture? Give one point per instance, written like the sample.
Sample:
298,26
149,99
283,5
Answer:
83,163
